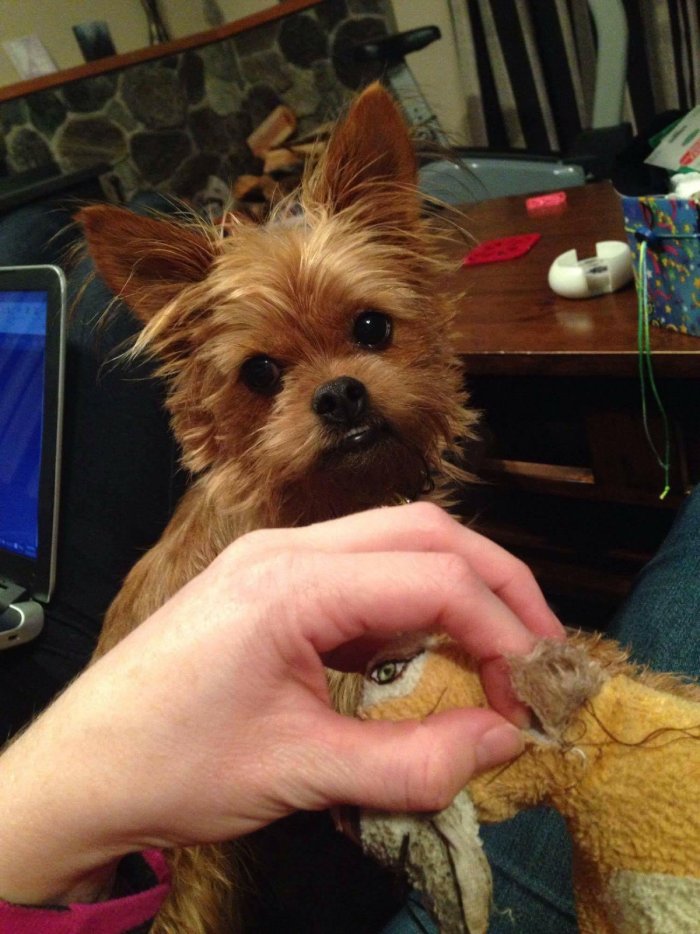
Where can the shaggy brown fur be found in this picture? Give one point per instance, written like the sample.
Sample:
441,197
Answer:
353,239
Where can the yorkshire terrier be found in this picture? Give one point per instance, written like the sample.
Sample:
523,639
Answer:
310,371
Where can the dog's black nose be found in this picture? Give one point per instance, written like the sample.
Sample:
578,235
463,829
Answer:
341,401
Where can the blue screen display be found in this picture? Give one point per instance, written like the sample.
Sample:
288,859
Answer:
22,350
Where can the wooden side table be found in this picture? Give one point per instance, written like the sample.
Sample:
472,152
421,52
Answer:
572,483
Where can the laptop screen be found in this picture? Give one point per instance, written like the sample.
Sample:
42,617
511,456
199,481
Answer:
31,370
22,352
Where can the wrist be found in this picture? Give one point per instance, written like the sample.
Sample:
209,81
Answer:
38,887
47,856
141,886
54,849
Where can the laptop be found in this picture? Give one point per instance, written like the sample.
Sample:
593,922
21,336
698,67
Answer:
32,350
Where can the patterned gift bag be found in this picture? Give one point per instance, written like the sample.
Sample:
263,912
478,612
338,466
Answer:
664,235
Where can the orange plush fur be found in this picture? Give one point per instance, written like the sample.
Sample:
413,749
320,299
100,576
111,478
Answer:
340,411
616,751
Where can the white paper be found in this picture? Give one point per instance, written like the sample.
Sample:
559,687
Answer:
680,149
30,56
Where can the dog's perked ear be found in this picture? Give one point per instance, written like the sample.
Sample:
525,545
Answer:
146,261
369,164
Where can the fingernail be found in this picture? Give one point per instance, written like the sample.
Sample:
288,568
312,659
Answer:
498,745
521,716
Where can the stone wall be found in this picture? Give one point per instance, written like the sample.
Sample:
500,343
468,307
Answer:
172,124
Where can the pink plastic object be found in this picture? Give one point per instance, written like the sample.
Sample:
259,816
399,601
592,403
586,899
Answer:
552,199
501,250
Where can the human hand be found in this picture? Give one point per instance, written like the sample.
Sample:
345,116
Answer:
212,718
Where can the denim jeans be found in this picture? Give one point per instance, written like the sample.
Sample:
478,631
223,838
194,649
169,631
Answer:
530,855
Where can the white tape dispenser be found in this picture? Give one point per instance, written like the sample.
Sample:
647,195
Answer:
609,270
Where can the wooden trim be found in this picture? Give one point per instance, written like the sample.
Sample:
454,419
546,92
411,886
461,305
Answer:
162,50
682,362
573,482
538,473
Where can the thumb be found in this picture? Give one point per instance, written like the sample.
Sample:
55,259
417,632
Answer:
419,765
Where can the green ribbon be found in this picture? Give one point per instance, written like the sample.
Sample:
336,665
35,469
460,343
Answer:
646,370
645,237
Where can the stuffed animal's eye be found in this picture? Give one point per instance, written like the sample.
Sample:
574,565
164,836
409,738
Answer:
262,375
372,329
389,670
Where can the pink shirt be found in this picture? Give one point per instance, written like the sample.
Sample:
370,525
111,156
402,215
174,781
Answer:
118,916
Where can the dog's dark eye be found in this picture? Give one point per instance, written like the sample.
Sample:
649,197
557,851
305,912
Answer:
372,329
261,374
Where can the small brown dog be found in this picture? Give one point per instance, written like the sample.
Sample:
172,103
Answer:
310,374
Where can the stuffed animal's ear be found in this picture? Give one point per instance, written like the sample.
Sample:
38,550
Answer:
555,680
370,162
144,260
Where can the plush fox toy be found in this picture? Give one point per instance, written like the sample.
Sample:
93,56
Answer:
616,750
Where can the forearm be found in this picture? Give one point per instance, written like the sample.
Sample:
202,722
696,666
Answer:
211,718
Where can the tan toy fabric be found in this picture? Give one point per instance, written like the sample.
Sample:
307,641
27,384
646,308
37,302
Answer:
616,750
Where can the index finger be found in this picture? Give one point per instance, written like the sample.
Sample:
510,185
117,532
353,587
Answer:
427,527
386,594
